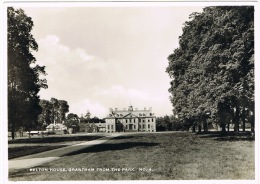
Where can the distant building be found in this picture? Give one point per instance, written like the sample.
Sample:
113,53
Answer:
57,128
93,125
130,120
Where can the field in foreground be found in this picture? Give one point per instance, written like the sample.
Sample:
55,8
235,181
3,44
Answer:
36,144
153,156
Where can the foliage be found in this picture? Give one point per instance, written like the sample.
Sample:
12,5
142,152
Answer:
86,118
213,68
45,117
53,111
72,120
23,73
168,123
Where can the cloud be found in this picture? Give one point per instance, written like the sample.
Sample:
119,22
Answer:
56,52
119,96
87,82
96,109
64,63
118,91
117,55
83,55
72,72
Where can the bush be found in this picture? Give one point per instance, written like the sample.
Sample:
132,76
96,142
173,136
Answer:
51,133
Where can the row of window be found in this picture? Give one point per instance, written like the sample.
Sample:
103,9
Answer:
112,127
140,126
140,120
128,126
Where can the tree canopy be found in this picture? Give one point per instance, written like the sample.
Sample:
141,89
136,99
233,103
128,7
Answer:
212,70
24,80
53,111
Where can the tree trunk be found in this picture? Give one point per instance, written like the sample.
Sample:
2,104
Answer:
252,123
199,128
228,126
13,131
205,126
244,119
223,128
193,128
236,122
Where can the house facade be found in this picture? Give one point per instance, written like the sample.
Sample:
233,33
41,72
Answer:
130,120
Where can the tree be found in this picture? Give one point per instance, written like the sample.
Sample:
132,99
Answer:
62,110
45,117
72,121
213,68
23,73
53,111
168,123
160,124
87,116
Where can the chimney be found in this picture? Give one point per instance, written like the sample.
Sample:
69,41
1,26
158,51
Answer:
110,110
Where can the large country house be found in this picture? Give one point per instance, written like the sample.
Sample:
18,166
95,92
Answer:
130,120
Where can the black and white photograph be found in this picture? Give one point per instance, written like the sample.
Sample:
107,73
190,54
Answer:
129,91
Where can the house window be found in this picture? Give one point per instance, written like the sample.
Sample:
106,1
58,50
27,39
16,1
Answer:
126,120
148,125
152,119
143,126
108,126
126,127
143,121
130,120
134,126
112,127
148,120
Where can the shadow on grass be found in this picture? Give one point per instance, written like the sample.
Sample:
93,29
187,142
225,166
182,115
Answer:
126,137
20,173
28,150
112,147
54,139
228,136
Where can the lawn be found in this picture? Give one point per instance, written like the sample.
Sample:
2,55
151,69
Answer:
27,146
153,156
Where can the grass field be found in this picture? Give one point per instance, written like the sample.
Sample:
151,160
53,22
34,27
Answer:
154,156
27,146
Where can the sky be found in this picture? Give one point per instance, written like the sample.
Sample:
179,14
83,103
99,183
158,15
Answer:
105,57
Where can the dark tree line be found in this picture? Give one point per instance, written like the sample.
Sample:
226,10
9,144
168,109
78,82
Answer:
23,73
53,111
168,123
73,121
212,70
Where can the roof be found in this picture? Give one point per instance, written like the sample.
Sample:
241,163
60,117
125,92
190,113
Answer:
56,126
130,113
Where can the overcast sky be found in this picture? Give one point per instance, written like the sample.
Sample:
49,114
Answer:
108,57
